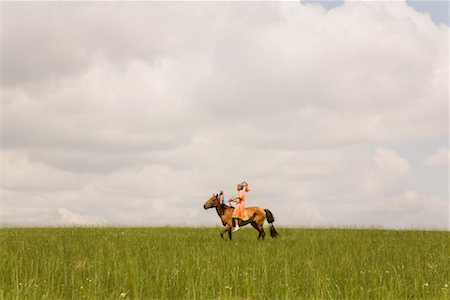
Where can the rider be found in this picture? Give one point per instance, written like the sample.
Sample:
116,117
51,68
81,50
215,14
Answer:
238,212
221,198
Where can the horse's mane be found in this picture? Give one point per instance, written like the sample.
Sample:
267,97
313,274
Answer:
224,207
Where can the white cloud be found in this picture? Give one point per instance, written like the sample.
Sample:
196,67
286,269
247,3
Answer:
70,218
403,210
409,209
20,173
438,159
386,172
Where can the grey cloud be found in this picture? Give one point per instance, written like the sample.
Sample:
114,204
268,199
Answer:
63,37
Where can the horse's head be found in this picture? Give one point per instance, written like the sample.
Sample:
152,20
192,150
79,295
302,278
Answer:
212,202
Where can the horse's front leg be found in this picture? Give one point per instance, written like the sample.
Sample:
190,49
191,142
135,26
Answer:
227,228
221,233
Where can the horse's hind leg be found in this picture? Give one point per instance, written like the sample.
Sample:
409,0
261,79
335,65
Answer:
262,233
255,225
260,228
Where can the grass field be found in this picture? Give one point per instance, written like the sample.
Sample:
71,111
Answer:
194,263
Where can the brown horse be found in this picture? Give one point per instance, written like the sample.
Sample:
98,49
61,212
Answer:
258,216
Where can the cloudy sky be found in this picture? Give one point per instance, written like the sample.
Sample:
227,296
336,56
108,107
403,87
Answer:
135,113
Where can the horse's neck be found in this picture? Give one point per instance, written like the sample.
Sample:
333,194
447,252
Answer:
221,209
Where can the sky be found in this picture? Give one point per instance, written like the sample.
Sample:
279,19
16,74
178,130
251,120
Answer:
135,113
438,10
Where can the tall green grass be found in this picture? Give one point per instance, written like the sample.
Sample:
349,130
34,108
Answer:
194,263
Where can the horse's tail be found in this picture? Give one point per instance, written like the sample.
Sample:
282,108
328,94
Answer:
271,219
